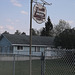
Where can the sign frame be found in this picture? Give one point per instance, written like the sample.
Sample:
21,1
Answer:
39,13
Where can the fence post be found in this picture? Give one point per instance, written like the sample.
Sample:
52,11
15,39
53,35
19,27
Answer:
13,64
42,64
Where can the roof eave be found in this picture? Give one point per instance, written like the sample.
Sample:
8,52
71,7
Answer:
32,45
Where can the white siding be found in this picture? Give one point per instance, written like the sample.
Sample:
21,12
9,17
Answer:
42,49
25,50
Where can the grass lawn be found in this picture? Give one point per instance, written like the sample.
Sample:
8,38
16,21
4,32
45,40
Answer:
21,67
58,67
52,67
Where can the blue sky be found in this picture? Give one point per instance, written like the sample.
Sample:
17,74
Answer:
15,14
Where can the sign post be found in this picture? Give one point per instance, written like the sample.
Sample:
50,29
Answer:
39,15
30,36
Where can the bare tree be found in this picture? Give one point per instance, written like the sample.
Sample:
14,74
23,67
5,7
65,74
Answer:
59,28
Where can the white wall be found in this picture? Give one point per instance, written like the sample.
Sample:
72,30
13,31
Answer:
25,51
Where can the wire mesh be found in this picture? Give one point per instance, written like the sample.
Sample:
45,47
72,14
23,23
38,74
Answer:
60,62
6,67
19,64
36,65
22,65
12,64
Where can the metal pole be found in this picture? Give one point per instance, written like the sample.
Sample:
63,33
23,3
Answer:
13,64
30,35
42,64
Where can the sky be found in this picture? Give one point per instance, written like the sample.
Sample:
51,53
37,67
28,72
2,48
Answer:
15,14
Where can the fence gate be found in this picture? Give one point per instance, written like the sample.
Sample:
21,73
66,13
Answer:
60,62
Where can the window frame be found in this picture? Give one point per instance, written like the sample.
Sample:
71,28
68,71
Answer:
19,47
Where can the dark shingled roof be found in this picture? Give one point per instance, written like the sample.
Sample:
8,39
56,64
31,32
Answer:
24,39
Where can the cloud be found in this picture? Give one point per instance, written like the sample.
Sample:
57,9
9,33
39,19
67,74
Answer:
6,28
16,3
12,22
9,27
8,20
17,20
71,22
1,27
24,12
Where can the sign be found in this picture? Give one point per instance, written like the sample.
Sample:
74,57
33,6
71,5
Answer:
39,13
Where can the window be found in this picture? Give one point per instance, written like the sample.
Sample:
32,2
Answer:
38,49
19,47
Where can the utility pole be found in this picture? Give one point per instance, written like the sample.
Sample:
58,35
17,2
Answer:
44,3
30,35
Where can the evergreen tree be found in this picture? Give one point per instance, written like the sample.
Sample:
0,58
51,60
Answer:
17,32
35,32
23,33
5,32
66,39
43,32
48,27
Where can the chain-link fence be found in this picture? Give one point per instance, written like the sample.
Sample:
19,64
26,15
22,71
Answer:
51,62
60,62
17,64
